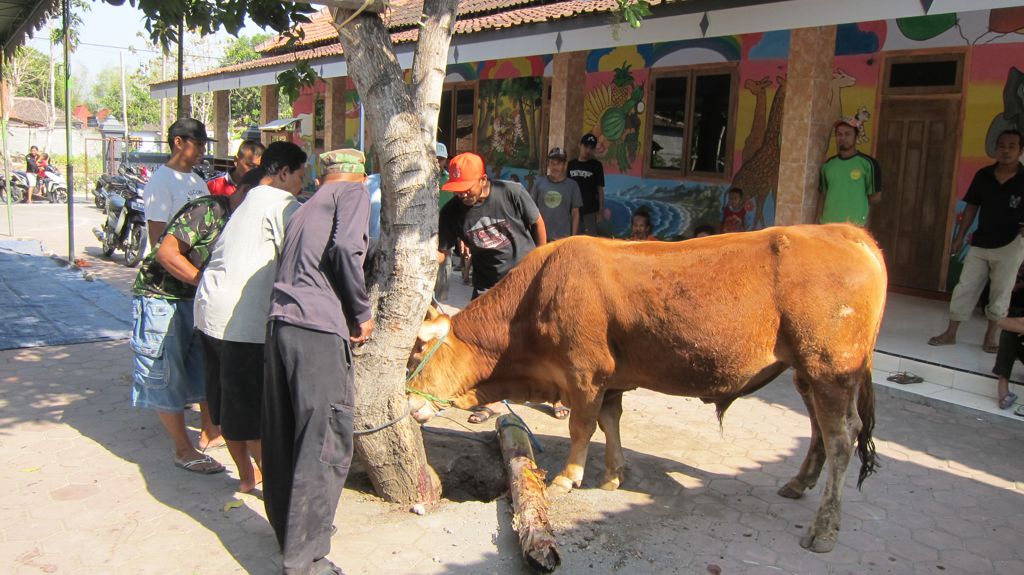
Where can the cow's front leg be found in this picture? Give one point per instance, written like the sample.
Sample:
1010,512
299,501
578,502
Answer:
582,423
614,462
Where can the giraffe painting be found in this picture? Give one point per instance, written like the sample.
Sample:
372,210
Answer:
759,176
840,80
759,89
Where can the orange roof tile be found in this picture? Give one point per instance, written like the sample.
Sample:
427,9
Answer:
321,38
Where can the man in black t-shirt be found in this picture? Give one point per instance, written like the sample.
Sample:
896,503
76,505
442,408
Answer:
498,222
588,173
996,197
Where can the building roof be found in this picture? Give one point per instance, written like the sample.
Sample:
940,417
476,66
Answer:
19,19
33,111
320,38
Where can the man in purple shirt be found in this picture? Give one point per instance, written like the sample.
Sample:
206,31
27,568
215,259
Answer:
318,308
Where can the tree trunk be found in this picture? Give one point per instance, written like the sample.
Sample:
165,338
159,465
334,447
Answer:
51,112
401,281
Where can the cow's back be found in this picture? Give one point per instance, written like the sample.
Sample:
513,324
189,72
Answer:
700,317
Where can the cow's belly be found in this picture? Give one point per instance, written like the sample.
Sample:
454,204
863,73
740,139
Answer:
706,376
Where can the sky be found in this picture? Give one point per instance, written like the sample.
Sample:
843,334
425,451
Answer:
108,30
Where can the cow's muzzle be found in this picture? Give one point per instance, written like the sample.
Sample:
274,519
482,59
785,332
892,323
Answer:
420,409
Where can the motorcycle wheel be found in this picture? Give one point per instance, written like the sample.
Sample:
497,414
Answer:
98,200
135,248
19,194
109,242
59,195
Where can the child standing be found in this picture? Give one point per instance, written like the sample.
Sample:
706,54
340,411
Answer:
734,214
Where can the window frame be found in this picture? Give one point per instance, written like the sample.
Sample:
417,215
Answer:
692,73
919,57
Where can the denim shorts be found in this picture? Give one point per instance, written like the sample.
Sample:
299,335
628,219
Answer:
167,372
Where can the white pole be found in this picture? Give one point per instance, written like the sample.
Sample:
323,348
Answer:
124,103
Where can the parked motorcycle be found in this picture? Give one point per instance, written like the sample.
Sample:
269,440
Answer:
125,227
117,183
16,193
55,188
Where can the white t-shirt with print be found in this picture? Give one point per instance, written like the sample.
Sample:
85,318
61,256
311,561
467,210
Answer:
168,190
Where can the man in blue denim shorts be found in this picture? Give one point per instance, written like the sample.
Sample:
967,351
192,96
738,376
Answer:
167,370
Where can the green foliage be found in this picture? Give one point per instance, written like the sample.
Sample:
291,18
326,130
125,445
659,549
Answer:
106,93
205,17
294,80
633,12
245,102
78,7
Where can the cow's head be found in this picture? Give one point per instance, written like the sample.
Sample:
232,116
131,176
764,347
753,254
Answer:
429,339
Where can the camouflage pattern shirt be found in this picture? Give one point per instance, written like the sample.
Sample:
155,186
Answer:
197,225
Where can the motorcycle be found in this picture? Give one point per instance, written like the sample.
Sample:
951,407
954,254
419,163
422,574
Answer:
125,227
54,188
16,193
117,183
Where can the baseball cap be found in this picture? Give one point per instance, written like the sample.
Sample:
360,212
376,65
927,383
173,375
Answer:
589,140
848,121
464,171
442,150
556,154
188,128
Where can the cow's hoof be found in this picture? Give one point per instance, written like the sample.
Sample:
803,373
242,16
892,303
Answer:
612,484
790,493
560,486
817,544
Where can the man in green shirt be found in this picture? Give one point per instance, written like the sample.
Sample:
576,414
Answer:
850,181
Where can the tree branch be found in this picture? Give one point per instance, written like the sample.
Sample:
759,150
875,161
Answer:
431,61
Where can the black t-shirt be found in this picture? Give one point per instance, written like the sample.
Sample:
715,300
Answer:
589,175
496,231
30,164
1001,207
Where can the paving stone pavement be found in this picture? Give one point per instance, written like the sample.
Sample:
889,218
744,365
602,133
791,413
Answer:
88,487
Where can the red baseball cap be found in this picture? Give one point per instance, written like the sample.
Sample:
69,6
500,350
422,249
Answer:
464,171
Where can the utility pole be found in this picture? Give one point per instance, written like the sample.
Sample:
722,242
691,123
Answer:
163,101
124,103
181,68
67,130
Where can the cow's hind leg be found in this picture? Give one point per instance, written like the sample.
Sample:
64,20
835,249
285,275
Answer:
835,405
815,459
608,420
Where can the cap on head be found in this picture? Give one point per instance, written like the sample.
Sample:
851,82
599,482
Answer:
556,154
589,140
464,171
848,121
343,161
188,128
442,150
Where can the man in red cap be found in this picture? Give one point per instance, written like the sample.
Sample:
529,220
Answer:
498,222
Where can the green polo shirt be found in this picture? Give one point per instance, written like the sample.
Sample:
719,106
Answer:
847,183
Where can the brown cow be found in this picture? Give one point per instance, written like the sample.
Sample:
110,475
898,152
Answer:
585,319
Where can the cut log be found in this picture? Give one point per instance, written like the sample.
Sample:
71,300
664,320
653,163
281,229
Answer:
529,495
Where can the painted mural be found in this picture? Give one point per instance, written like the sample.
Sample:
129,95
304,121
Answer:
509,122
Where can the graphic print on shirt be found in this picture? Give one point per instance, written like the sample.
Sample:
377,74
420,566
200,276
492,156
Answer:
1014,202
490,233
581,174
552,199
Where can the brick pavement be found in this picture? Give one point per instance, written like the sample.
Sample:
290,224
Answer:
89,487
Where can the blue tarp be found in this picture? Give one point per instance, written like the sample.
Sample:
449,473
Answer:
42,303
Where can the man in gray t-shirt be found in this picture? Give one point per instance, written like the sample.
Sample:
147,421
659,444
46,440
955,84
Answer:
558,198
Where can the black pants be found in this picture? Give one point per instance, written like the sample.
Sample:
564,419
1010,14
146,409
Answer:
308,404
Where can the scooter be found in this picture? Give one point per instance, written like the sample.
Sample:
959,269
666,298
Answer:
117,183
125,227
54,189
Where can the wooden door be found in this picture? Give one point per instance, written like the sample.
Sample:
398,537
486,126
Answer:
917,152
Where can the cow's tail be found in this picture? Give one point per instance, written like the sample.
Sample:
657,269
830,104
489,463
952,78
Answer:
865,444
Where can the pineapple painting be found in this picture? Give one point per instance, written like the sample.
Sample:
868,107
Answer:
613,113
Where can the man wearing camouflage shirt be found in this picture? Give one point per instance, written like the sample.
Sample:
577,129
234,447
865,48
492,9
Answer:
167,370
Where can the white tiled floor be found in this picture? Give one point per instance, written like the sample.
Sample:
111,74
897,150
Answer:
959,374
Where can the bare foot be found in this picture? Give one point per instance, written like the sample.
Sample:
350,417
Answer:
206,443
943,339
247,484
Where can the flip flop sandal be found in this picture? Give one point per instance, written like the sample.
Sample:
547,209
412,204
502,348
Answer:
196,465
482,414
905,378
990,348
936,341
1007,401
1019,411
560,412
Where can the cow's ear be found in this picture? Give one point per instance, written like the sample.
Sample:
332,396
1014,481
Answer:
433,312
433,329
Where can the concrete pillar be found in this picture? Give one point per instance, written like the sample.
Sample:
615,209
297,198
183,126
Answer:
221,123
805,124
565,127
334,114
268,109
